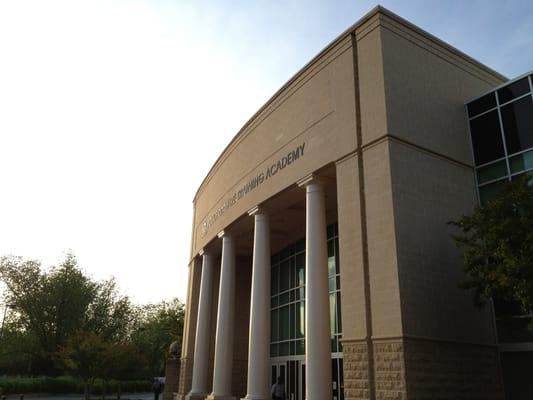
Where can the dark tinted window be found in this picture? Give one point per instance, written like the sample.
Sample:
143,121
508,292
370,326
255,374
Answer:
517,119
513,90
486,138
482,104
489,192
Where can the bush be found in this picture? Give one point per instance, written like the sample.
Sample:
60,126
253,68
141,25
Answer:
68,384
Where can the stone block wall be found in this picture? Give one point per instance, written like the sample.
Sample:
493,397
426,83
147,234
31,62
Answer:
185,380
172,371
444,370
422,369
355,364
389,370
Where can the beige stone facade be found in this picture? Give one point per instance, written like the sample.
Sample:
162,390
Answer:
379,117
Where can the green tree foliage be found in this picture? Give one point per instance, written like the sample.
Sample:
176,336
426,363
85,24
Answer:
83,356
50,305
158,326
62,321
497,245
109,314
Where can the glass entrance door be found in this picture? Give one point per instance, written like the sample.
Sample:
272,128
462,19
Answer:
292,372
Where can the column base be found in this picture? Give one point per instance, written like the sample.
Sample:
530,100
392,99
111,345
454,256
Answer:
257,397
213,396
196,396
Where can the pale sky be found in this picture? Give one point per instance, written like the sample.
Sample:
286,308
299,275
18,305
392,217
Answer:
112,112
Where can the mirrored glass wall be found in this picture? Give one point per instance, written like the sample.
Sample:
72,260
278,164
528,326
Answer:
501,129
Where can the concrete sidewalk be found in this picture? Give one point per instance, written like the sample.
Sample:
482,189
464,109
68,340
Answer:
124,396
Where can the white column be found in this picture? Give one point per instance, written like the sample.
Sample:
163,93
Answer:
317,324
203,328
226,309
259,342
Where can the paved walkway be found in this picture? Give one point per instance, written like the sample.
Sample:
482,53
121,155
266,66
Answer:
124,396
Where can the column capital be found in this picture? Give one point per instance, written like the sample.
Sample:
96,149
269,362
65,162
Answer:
202,252
224,233
312,178
258,210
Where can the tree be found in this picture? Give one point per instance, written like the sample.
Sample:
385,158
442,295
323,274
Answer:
109,313
83,356
50,305
61,320
497,245
158,326
122,361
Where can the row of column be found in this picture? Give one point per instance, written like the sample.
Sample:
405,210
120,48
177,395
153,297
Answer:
317,341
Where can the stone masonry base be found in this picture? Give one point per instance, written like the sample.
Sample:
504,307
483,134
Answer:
417,369
172,371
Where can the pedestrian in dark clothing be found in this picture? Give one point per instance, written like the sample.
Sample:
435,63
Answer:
156,387
278,389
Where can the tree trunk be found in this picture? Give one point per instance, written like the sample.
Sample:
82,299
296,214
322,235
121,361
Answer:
85,390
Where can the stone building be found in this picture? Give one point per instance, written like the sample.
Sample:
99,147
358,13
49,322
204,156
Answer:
320,246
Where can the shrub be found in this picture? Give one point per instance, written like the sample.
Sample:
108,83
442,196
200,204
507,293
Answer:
67,384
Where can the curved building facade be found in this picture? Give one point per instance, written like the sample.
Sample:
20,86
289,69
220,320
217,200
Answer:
320,247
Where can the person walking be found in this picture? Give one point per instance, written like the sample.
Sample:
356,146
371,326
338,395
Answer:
278,389
156,387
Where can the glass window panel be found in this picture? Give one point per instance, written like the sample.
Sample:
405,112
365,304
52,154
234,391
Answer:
528,174
334,376
293,348
274,301
338,282
284,323
331,248
331,266
482,104
293,321
332,314
332,284
521,162
285,253
299,246
517,119
273,325
300,347
513,90
273,350
274,259
284,275
331,257
489,192
293,273
293,294
334,344
486,138
492,171
300,319
339,313
336,227
341,375
337,263
284,298
300,293
331,231
284,349
300,268
274,280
